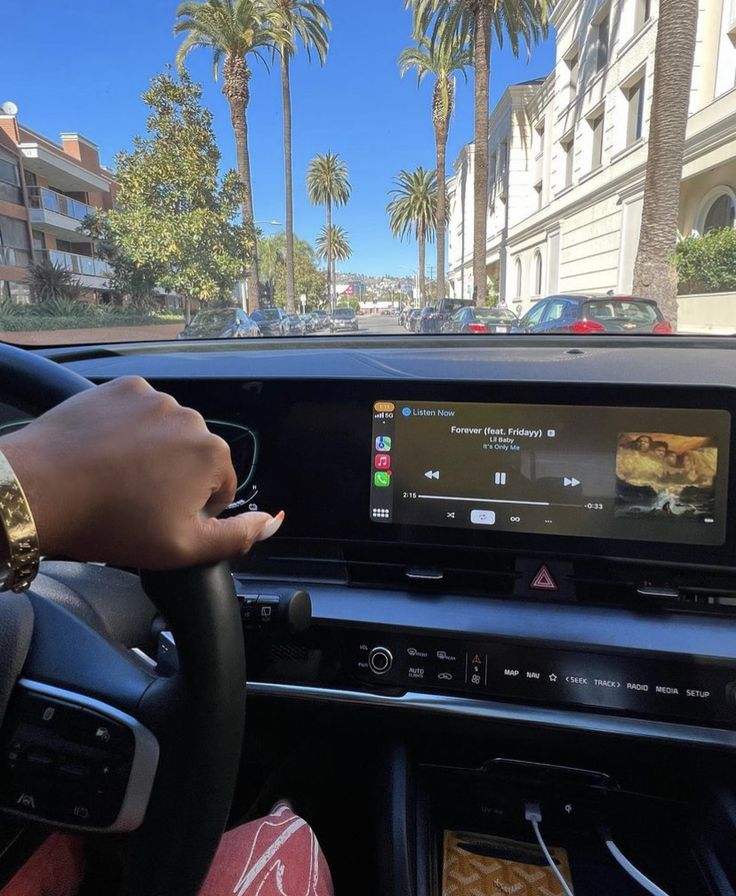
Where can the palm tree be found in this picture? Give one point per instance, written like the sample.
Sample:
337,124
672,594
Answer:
333,245
413,212
516,20
305,21
235,31
450,53
328,184
654,270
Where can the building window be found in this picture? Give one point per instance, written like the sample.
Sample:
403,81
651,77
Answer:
10,187
642,13
503,156
573,66
568,155
518,278
14,249
494,167
596,123
720,213
602,38
635,112
537,273
539,134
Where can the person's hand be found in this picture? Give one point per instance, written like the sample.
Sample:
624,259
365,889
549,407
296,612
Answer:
123,474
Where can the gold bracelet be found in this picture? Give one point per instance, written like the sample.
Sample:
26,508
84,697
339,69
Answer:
20,531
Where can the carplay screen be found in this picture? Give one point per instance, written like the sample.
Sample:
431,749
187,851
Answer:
640,474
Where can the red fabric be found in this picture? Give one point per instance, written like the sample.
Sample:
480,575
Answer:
275,856
55,869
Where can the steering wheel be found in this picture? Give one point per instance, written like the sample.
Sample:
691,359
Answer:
97,738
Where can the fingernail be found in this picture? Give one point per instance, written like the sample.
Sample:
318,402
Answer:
272,526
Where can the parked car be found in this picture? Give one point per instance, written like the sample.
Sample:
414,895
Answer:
296,326
411,314
441,313
310,325
418,323
321,319
585,314
481,320
272,321
343,319
220,323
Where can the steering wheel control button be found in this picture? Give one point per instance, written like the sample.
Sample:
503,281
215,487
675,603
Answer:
64,763
380,660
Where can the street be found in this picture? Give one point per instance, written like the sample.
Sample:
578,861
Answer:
379,325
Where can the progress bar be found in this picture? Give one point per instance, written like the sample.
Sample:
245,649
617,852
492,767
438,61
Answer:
484,500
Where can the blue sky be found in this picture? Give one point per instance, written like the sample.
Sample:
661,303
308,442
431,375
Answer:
82,65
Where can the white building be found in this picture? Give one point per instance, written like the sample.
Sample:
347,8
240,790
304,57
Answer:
568,155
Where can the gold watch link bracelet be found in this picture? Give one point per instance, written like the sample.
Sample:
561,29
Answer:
19,526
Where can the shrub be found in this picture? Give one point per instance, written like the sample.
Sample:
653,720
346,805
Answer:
48,282
707,263
65,307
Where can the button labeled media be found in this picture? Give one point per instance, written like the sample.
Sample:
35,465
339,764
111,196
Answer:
483,517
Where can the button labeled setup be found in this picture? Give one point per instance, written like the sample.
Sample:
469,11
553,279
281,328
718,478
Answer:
483,517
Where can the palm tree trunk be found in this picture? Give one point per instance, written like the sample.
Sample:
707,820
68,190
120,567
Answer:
329,255
440,133
655,276
482,65
288,182
422,265
238,107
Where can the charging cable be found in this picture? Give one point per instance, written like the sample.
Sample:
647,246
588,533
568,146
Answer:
630,869
533,814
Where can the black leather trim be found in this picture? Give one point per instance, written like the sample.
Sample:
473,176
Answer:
199,756
16,629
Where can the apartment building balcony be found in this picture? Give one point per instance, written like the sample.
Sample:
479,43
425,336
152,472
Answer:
55,213
60,169
92,273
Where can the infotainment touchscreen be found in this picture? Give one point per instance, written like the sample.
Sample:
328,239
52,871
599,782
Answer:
604,472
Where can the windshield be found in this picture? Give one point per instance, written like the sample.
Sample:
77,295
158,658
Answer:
494,314
372,166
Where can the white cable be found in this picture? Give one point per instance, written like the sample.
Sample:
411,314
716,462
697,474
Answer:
550,860
634,872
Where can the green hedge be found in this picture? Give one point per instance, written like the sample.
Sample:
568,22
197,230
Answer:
707,264
33,322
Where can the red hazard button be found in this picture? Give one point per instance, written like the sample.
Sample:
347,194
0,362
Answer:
543,580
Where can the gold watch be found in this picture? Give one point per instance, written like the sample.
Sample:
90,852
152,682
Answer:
19,526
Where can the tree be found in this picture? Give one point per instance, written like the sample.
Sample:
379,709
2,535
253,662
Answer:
333,245
309,281
136,282
235,31
305,21
413,212
655,275
328,184
450,53
174,214
516,20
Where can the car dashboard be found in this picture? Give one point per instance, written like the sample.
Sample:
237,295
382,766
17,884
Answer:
479,532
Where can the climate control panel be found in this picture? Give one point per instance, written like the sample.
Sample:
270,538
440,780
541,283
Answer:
676,689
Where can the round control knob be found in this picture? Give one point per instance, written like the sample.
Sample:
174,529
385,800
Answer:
380,660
